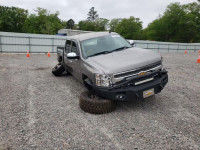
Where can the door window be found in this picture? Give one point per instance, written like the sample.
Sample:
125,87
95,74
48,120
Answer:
68,46
74,48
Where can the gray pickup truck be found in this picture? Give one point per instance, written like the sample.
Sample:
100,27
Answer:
110,67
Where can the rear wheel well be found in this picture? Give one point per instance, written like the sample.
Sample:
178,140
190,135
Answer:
59,59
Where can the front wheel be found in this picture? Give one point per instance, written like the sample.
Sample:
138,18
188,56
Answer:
58,70
94,104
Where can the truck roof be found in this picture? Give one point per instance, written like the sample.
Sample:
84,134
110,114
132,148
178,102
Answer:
86,36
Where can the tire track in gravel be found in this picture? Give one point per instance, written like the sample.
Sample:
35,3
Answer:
14,105
31,116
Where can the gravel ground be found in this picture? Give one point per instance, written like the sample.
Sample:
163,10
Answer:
40,111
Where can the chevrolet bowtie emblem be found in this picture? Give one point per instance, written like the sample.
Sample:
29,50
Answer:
142,73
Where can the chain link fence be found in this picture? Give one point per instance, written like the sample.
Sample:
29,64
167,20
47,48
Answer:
21,43
168,47
37,43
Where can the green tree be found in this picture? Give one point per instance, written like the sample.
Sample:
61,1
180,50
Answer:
130,28
93,22
70,24
92,15
43,22
193,21
156,31
113,23
31,24
86,25
101,24
97,25
75,27
12,18
179,23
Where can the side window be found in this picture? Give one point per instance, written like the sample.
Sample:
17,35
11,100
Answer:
74,48
67,46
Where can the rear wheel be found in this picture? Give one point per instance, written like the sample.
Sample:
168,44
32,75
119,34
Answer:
94,104
58,70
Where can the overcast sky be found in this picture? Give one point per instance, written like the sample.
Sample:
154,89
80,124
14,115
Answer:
146,10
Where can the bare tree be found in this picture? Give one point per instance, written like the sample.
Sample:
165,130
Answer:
92,15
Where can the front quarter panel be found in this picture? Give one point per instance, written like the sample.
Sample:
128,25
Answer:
90,70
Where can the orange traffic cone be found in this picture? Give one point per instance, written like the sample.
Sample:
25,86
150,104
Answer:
185,51
198,60
48,54
27,55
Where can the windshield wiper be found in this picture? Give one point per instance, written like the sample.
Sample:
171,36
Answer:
121,48
104,52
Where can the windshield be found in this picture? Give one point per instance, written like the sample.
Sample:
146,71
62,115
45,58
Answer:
103,45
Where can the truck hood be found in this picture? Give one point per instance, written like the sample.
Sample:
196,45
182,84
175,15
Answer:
124,60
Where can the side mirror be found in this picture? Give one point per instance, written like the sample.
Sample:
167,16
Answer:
72,55
131,42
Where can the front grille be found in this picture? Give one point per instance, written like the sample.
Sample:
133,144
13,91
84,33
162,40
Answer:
136,71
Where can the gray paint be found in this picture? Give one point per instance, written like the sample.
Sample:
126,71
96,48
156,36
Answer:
82,37
125,60
109,64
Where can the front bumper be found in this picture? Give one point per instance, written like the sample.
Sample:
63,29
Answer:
128,91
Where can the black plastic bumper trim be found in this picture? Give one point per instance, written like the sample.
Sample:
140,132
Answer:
129,91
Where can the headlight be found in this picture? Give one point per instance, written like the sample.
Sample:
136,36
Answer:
103,80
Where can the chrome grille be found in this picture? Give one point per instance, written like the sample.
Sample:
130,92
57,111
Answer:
136,71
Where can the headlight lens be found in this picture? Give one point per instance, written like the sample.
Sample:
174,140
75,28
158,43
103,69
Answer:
103,80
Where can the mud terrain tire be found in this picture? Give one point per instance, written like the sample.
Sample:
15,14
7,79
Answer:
58,70
94,104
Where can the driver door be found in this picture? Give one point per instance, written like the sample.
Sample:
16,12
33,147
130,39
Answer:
66,51
73,65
